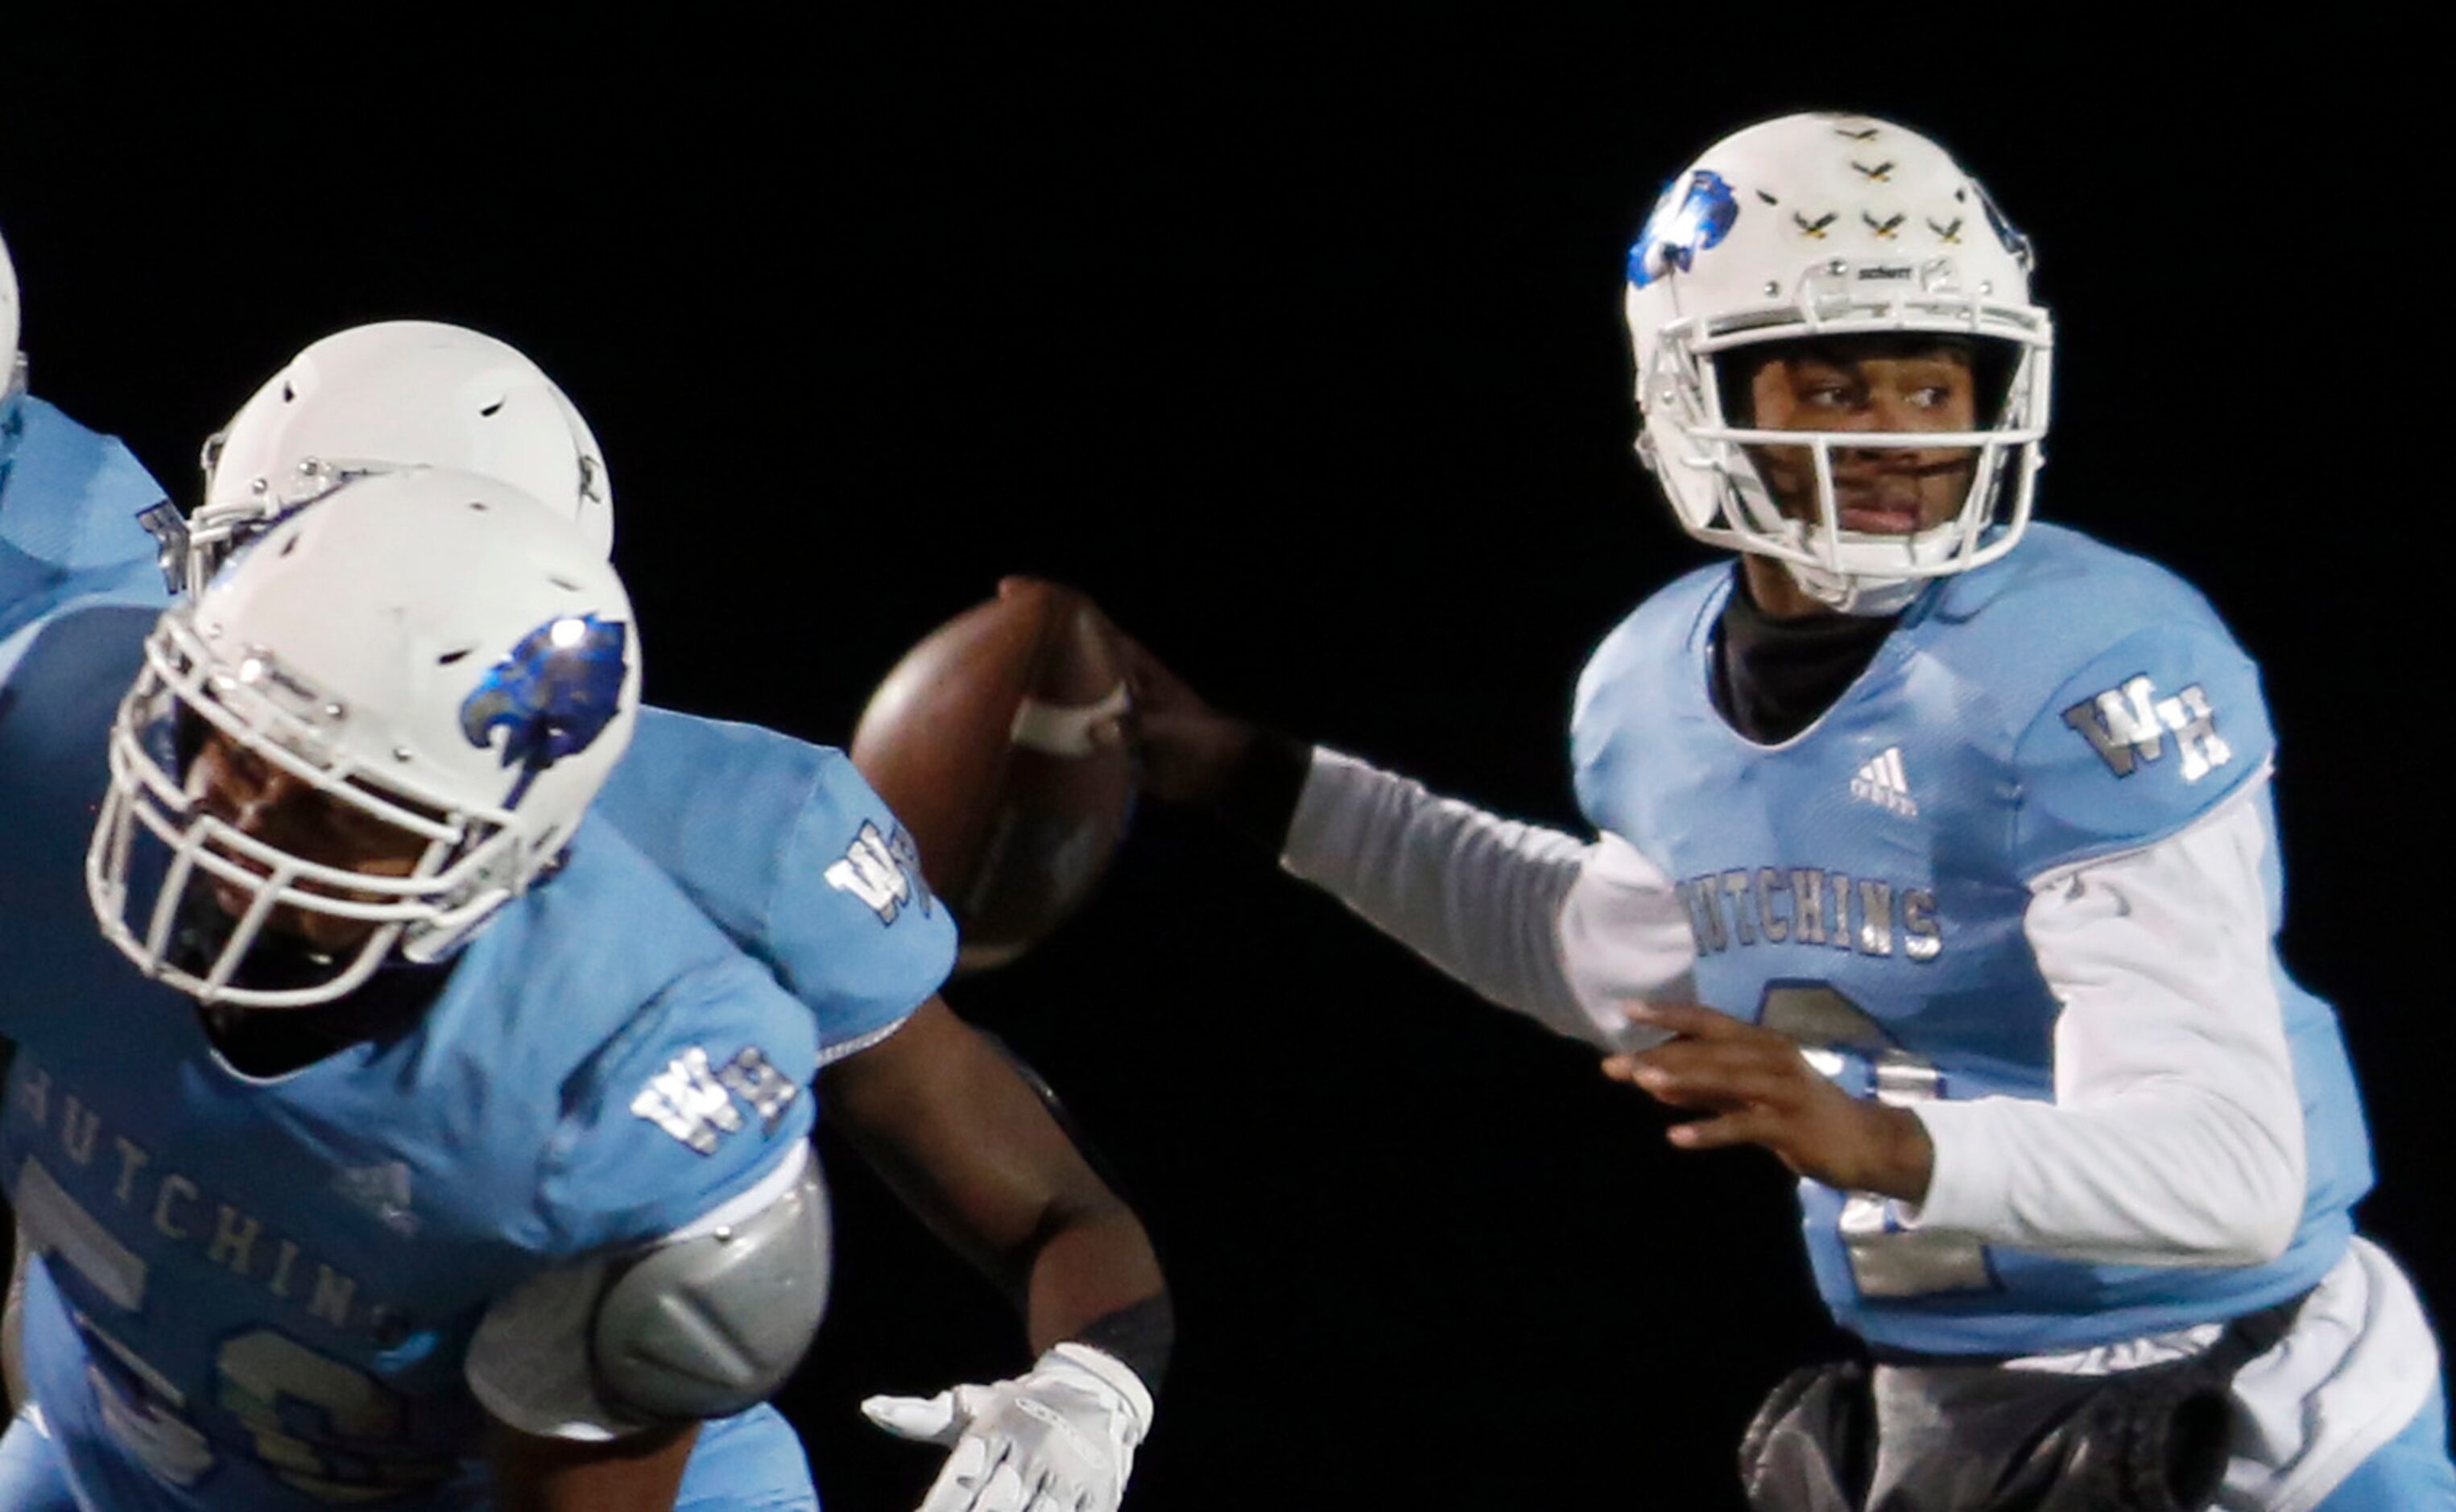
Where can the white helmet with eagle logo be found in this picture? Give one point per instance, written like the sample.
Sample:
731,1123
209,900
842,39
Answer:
395,393
434,652
1821,226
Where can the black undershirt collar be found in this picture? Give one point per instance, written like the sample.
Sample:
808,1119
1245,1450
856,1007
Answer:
1773,678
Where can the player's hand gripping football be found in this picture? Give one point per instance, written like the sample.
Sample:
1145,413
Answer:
1755,1087
1186,750
1059,1439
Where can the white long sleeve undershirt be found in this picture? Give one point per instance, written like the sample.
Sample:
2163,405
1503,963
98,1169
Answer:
2176,1135
1533,919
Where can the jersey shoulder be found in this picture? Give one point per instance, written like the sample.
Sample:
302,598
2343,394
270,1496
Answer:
73,493
2057,596
792,852
1644,676
1675,617
678,1067
2130,708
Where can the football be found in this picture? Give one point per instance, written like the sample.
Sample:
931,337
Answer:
981,740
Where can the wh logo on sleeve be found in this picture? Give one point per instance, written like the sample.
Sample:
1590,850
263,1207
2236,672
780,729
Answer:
694,1101
884,872
2130,723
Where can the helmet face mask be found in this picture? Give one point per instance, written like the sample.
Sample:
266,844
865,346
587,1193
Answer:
1824,229
424,658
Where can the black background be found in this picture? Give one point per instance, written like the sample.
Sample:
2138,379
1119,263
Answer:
1299,346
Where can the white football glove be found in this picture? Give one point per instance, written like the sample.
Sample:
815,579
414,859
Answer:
1060,1438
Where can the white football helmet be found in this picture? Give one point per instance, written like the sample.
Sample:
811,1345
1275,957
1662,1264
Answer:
433,650
397,394
13,361
1825,226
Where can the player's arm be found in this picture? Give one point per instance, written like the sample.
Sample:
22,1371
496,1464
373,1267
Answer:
2176,1136
953,1126
596,1375
638,1474
1532,919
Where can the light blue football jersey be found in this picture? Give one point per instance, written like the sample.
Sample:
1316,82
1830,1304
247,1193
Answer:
1862,887
259,1292
784,846
69,502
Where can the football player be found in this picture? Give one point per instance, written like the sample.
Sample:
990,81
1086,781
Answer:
784,847
77,513
80,520
401,1135
1934,854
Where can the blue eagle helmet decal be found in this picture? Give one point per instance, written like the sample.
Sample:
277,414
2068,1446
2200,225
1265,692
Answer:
1686,221
555,694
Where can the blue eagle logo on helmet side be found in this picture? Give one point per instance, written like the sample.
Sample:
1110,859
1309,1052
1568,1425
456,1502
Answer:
555,694
1684,224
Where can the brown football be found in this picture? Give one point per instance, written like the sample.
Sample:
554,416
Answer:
979,740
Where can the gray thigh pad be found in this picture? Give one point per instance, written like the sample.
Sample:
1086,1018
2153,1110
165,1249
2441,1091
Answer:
709,1326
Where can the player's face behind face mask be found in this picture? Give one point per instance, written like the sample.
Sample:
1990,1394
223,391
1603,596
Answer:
1893,385
266,803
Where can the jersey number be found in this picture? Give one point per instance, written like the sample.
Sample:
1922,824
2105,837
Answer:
265,1379
1887,1261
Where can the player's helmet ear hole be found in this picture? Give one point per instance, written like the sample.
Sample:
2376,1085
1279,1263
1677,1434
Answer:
565,583
289,394
490,411
477,504
290,545
450,657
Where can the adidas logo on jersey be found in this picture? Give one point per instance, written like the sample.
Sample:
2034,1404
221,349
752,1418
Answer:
1883,783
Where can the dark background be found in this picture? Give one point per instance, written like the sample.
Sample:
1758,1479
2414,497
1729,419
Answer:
1299,346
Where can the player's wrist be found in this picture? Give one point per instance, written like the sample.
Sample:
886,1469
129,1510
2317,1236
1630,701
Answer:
1895,1157
1105,1377
1259,785
1139,1335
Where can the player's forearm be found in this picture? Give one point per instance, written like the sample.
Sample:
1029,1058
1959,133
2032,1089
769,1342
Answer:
2163,1179
1096,1281
981,1150
1478,896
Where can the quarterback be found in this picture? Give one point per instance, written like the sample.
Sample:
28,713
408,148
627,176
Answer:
784,847
1934,852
